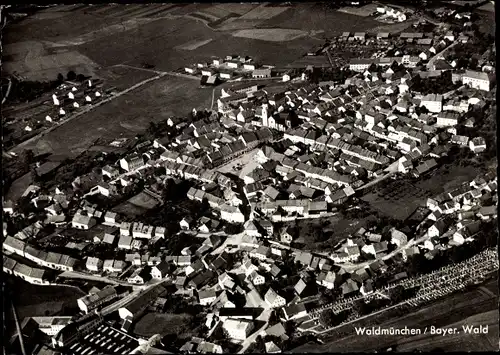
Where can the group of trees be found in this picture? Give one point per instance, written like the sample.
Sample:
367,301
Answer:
71,76
329,74
437,85
330,319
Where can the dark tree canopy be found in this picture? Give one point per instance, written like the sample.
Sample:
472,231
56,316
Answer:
71,75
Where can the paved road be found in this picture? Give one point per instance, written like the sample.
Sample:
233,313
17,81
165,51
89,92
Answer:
433,59
85,110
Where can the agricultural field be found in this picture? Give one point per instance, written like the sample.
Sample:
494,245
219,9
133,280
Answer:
122,78
192,45
264,12
32,60
149,43
398,199
320,61
309,16
126,116
446,177
162,323
473,307
363,11
273,35
222,10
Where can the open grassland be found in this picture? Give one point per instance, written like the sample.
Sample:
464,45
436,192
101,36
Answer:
310,16
126,116
35,300
272,35
86,37
130,210
150,43
397,200
144,200
446,178
363,11
122,78
264,12
192,45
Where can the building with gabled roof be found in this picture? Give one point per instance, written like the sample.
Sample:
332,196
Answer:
274,300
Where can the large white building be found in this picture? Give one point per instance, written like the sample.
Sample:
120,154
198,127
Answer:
238,329
478,80
360,65
131,163
433,102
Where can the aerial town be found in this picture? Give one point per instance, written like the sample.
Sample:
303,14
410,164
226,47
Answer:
292,207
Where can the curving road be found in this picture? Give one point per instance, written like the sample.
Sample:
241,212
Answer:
433,59
8,91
